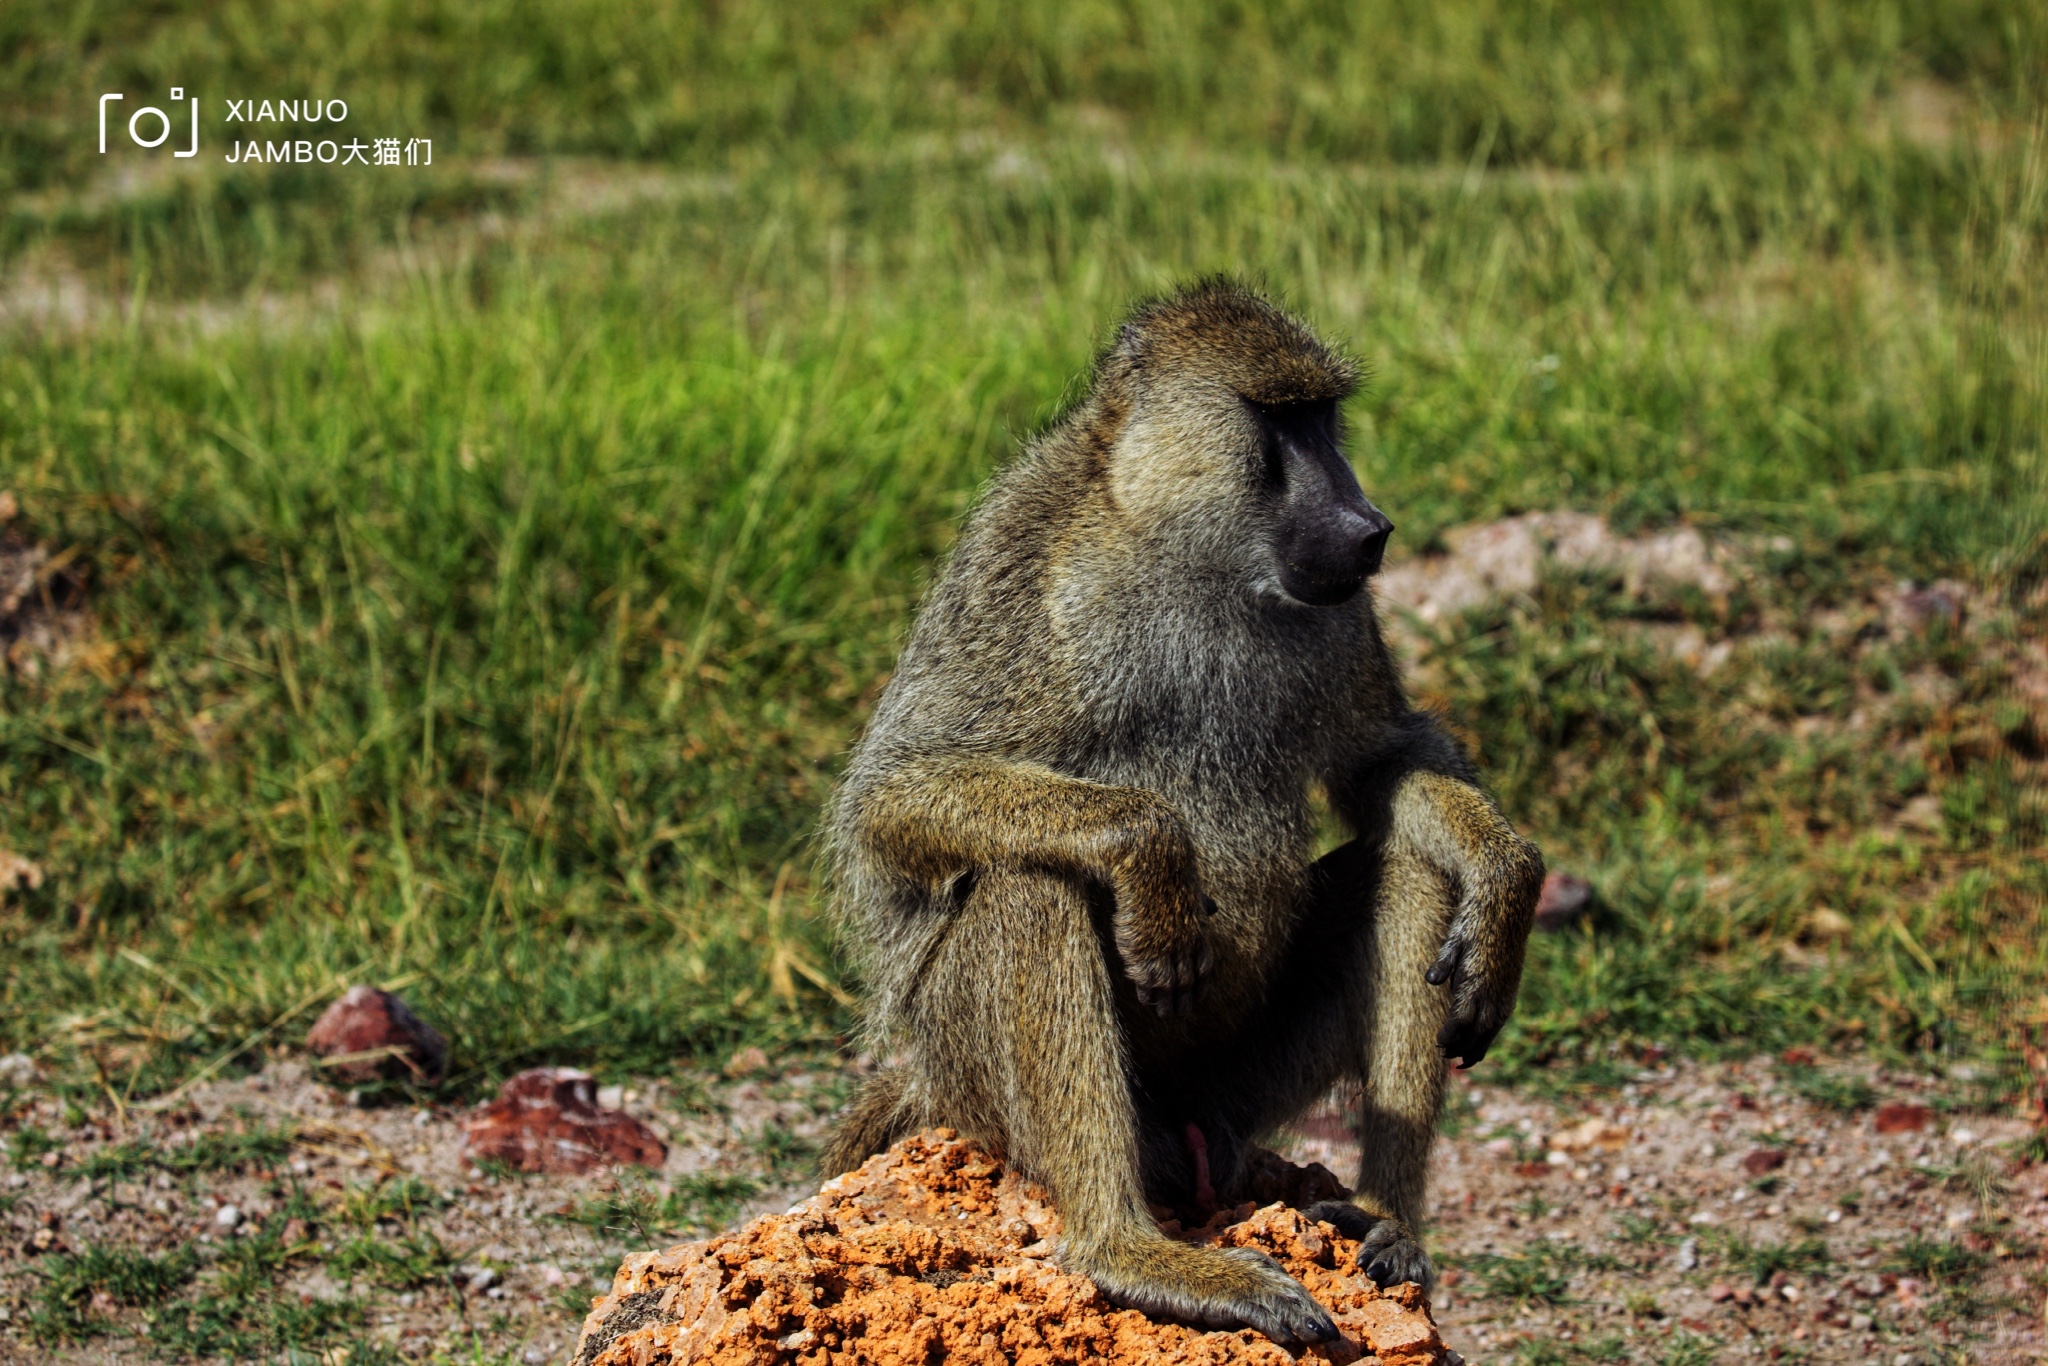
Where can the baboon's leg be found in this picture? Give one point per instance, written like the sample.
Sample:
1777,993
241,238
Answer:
1014,1036
880,1114
1400,1016
1350,1000
1307,1034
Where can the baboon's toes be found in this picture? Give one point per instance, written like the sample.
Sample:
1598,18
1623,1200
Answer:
1278,1305
1390,1255
1347,1218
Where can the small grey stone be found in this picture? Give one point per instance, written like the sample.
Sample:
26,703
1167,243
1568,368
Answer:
227,1216
1688,1254
481,1279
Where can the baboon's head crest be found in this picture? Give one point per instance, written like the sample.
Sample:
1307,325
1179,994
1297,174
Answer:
1233,437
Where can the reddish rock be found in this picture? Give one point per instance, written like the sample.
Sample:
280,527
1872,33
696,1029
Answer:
1269,1177
1763,1160
1565,898
370,1034
1902,1117
933,1252
548,1120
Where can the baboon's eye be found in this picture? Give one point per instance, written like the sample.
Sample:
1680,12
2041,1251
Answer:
1272,471
1303,424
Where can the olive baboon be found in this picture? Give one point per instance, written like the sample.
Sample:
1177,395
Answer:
1075,846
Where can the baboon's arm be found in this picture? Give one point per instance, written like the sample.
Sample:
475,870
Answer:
933,821
1425,796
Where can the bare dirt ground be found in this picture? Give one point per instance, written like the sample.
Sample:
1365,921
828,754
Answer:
1715,1213
442,1258
1701,1213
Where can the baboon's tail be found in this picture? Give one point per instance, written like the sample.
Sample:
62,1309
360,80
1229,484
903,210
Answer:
877,1118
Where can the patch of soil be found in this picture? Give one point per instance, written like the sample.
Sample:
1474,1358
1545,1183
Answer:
42,597
1905,1219
1771,1209
512,1256
1486,561
934,1250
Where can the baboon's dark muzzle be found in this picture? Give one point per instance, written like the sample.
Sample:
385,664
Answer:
1331,538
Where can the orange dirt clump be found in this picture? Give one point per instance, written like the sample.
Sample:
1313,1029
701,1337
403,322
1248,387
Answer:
933,1252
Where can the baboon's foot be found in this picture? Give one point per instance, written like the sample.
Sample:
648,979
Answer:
1388,1250
1211,1288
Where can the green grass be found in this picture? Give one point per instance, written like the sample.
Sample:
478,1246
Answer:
1690,1349
1549,1352
1831,1090
26,1145
490,564
396,1200
1639,1230
1943,1263
1764,1260
209,1151
63,1310
1541,1274
702,1202
397,1263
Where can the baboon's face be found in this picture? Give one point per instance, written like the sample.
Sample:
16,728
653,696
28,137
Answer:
1326,539
1260,489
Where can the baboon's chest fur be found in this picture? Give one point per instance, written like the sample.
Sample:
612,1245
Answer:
1136,668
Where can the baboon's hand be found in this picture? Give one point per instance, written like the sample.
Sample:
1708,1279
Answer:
1160,910
1483,989
1500,875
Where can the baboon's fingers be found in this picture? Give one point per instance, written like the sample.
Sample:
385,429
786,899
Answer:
1347,1218
1174,989
1194,973
1166,957
1446,962
1466,1039
1168,986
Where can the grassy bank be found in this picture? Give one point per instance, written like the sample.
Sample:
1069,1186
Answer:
488,565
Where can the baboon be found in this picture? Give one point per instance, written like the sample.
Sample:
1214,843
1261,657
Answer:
1075,847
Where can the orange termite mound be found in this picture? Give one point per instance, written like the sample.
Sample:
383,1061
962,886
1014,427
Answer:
933,1252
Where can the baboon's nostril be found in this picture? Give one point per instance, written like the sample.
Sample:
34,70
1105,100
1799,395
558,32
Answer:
1373,548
